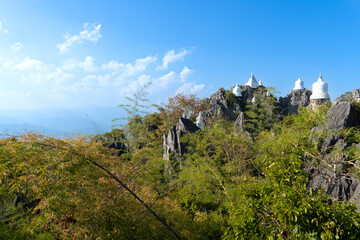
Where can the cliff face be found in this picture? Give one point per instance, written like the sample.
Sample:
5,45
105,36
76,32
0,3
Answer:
337,180
219,105
343,114
292,102
173,148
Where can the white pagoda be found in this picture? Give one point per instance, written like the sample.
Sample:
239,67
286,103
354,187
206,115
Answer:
299,85
237,91
320,90
253,100
200,123
252,82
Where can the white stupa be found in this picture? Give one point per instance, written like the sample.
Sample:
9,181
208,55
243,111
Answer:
299,85
252,82
200,121
319,89
253,100
237,91
260,83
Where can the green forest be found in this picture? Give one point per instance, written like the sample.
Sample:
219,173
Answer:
228,184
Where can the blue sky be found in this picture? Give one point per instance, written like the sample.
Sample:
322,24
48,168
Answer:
86,53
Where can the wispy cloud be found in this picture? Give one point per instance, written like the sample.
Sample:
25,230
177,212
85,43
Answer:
87,65
30,64
130,69
2,29
135,85
185,73
167,79
17,46
171,57
113,65
90,33
193,88
85,82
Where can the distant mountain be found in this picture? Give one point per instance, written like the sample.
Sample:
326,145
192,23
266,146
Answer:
58,121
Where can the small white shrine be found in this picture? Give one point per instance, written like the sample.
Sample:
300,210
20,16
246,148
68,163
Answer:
253,100
260,83
320,90
299,85
200,123
252,82
237,91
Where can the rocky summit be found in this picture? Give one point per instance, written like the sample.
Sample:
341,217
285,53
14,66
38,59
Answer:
342,114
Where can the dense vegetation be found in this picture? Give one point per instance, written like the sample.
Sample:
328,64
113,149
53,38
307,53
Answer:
231,185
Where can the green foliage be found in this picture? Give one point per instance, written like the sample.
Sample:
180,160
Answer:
227,186
230,97
187,106
257,190
135,128
77,200
261,115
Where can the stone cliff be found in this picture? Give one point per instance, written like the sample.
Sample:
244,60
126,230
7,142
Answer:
344,113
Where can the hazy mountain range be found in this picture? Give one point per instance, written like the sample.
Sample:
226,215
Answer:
59,122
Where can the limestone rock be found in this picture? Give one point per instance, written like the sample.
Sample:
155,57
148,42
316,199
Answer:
343,115
240,122
349,96
356,95
219,107
172,142
340,187
296,99
355,198
346,97
173,148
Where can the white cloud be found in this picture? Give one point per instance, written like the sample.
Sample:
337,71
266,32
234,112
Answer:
113,65
85,81
187,88
87,65
58,76
90,33
17,46
54,77
135,85
140,66
95,81
29,64
2,29
8,64
171,57
129,69
185,73
165,80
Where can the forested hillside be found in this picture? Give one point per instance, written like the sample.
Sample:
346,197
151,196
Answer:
248,177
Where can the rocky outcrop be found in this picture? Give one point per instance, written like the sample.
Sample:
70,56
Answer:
337,182
172,144
353,96
113,144
296,99
338,186
240,122
221,105
342,115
